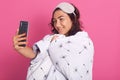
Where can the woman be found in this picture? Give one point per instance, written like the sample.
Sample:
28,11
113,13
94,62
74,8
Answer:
67,54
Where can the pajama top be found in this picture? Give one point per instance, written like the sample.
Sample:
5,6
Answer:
66,58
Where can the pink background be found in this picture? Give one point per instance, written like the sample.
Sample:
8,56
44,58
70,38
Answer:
101,19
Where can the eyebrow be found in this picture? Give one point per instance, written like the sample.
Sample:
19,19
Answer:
58,17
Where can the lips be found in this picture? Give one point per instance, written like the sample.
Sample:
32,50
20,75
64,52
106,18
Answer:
60,30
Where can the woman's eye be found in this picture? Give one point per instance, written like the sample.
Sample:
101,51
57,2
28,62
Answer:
61,19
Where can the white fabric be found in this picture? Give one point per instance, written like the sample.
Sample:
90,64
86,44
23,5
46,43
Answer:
66,58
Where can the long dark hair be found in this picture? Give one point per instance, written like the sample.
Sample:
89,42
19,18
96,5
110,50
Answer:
76,25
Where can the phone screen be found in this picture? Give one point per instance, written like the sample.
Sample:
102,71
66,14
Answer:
23,28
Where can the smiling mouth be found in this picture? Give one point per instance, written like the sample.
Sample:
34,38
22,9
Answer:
60,30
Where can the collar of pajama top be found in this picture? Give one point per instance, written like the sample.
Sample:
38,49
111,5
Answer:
78,34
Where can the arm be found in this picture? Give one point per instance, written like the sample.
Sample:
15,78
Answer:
27,52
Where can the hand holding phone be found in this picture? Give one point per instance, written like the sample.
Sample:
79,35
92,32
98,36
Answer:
23,28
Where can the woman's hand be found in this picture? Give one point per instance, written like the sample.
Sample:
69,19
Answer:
25,51
54,37
17,41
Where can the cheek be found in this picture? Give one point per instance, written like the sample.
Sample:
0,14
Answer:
69,25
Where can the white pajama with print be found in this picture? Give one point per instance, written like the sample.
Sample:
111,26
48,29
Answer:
66,58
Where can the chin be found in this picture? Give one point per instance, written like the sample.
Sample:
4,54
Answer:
62,33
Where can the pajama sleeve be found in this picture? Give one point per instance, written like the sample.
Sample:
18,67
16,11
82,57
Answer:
40,65
40,49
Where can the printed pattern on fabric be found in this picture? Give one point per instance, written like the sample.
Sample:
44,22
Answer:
66,58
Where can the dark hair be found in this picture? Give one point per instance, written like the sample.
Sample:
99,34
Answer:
76,26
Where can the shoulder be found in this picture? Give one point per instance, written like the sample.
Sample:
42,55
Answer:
82,34
48,37
45,38
79,35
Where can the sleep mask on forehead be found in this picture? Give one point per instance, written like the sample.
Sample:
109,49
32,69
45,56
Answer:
66,7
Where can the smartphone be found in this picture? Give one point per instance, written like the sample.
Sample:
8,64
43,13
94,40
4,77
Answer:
23,28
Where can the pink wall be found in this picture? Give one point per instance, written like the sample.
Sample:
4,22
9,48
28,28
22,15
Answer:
101,19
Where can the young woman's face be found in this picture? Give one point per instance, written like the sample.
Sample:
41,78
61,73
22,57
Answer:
62,22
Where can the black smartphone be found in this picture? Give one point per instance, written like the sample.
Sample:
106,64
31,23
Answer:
23,28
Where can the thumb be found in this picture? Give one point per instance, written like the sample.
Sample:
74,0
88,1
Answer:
17,31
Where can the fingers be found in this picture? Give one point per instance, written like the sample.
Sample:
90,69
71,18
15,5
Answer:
22,35
54,38
18,38
17,41
17,47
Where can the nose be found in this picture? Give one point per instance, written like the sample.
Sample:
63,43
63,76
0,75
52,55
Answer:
58,24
